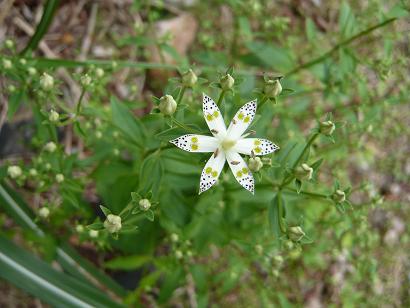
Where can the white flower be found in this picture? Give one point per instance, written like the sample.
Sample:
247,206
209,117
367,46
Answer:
93,233
50,147
14,171
59,178
53,116
226,144
44,212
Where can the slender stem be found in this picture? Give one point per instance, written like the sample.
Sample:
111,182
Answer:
80,100
221,96
263,101
338,46
181,94
281,213
183,126
308,193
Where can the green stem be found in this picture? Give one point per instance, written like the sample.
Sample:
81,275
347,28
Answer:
308,193
338,46
181,94
281,213
221,97
183,126
263,101
80,100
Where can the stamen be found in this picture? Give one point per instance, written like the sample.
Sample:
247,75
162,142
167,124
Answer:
235,162
216,153
214,131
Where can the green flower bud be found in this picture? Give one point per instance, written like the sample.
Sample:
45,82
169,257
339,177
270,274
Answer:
46,82
53,116
259,249
113,223
296,233
272,88
339,196
32,71
9,44
99,72
7,64
227,82
304,172
85,80
277,260
14,172
33,172
255,164
44,212
174,237
59,178
167,105
178,254
23,61
327,128
12,88
93,233
98,134
47,166
79,228
189,78
144,204
50,147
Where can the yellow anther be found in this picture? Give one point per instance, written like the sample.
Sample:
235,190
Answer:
239,174
194,147
240,116
216,114
209,117
257,150
257,142
244,170
194,139
214,174
247,118
208,170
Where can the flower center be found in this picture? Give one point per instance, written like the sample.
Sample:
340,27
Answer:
227,144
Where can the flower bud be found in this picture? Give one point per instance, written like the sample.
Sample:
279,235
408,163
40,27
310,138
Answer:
112,223
178,254
277,260
167,105
44,212
255,164
304,172
259,249
93,233
7,64
9,44
189,78
144,204
174,237
339,196
79,228
98,134
50,147
85,80
47,166
46,82
227,82
272,88
11,88
99,72
32,71
59,178
327,128
53,116
296,233
14,172
33,172
116,152
23,61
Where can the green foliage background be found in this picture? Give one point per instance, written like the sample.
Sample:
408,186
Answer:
225,246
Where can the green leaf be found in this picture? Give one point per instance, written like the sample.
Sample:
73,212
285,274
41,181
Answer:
298,185
105,210
129,125
149,215
49,10
151,173
273,214
311,31
38,278
127,263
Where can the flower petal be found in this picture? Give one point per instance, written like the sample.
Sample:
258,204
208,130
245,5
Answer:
196,143
213,116
257,145
242,119
241,171
211,171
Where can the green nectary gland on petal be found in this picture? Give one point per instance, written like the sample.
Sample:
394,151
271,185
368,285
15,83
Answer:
228,144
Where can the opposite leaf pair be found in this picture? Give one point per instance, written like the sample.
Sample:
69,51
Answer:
226,144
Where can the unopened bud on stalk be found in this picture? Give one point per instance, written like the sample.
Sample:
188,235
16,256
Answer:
296,233
46,82
53,116
59,178
98,134
178,254
33,172
93,233
23,61
99,72
50,147
85,80
144,204
7,64
304,172
259,249
44,212
277,260
14,172
189,78
167,105
227,82
272,88
12,88
79,228
9,44
339,196
327,128
255,164
174,237
32,71
113,223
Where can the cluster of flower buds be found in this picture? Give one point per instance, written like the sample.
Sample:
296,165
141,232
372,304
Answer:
112,223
